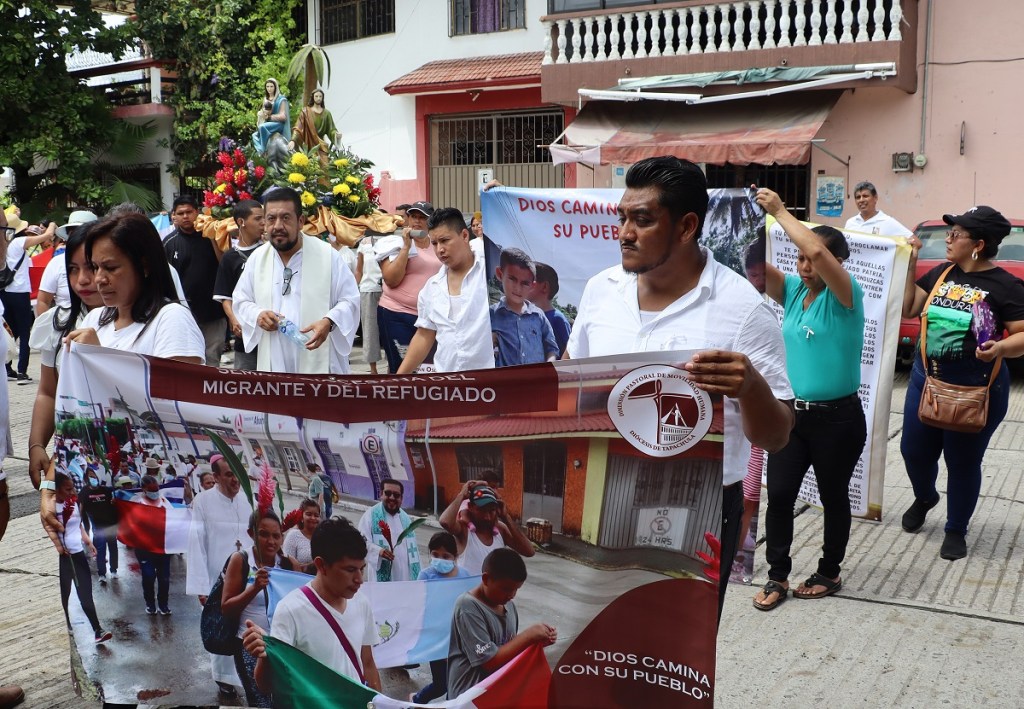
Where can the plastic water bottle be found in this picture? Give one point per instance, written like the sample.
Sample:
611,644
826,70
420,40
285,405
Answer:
290,330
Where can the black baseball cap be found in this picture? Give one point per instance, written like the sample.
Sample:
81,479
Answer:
981,222
426,208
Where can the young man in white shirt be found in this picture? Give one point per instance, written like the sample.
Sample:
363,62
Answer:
669,293
869,219
339,554
452,306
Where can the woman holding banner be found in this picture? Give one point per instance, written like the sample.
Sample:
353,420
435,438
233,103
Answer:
128,268
964,307
823,328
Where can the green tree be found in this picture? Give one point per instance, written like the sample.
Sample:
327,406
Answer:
54,125
223,53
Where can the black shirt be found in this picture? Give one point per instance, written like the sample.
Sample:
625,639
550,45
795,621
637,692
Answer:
98,503
194,257
950,335
231,266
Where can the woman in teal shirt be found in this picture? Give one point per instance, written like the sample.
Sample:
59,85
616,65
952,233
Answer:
823,327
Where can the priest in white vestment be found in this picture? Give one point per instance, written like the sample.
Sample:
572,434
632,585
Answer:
386,560
304,280
220,518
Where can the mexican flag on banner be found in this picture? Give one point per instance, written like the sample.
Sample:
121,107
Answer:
300,682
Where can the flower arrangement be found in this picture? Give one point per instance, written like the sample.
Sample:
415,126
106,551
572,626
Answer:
302,174
240,176
352,191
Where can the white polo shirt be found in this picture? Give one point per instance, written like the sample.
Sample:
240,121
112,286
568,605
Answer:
462,323
881,224
723,311
16,253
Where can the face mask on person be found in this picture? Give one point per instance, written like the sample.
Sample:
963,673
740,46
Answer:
94,482
153,495
442,566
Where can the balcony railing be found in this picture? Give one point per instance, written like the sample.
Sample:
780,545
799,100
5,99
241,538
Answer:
689,29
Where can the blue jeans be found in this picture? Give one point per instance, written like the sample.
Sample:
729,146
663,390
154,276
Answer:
156,571
396,331
921,445
104,539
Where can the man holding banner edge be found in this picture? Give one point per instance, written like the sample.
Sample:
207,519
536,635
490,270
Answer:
668,285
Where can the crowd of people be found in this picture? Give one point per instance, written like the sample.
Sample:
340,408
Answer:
291,302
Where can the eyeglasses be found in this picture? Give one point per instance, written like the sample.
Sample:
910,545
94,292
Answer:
953,235
390,493
286,288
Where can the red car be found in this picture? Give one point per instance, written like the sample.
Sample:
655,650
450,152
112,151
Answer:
933,252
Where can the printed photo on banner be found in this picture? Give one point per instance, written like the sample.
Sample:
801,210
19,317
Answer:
879,264
572,234
602,477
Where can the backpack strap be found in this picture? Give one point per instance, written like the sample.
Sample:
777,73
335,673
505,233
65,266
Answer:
318,604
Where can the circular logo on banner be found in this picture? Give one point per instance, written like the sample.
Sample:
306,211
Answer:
659,411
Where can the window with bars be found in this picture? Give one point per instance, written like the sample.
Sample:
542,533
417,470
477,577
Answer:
497,139
483,16
792,182
347,20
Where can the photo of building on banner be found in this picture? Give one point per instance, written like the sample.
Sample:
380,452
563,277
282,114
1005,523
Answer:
879,264
572,235
622,456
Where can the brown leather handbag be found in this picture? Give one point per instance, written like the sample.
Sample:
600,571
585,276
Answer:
953,407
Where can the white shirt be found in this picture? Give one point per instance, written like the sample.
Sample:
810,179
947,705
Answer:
400,567
299,624
464,337
370,282
344,312
72,529
217,523
46,338
723,312
172,333
881,224
55,280
15,250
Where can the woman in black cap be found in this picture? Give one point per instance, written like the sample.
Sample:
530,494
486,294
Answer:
957,300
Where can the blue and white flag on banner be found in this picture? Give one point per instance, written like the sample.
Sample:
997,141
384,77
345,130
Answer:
413,618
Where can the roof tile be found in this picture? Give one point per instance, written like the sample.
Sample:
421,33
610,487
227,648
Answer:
483,70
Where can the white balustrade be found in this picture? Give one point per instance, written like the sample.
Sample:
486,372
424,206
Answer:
847,36
718,27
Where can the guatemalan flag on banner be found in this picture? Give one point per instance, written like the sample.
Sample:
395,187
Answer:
300,682
413,618
162,530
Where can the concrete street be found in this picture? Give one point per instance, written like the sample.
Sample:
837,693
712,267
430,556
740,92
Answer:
907,630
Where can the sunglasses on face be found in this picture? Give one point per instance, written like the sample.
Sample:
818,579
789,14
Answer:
389,493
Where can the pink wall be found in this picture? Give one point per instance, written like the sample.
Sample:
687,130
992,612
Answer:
870,124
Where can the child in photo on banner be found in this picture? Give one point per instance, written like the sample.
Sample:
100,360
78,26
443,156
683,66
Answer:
521,331
442,566
73,564
485,625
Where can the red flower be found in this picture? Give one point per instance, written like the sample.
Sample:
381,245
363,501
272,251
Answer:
368,181
229,190
240,177
239,157
385,529
225,160
259,172
208,198
244,195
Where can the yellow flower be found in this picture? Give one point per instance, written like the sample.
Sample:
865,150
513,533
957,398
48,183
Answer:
353,179
219,188
354,198
342,189
300,160
308,200
341,162
296,178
